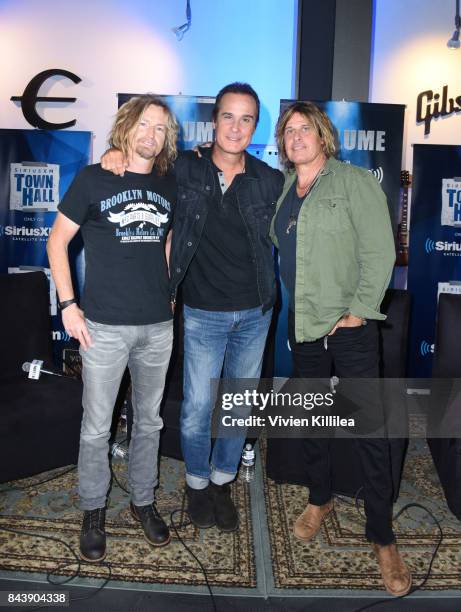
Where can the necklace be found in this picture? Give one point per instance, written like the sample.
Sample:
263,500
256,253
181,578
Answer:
293,218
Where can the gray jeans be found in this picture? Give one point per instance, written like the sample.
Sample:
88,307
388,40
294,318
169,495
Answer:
146,349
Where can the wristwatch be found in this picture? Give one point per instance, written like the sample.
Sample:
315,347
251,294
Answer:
66,303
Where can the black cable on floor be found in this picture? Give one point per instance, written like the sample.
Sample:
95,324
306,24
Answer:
426,577
40,482
343,500
66,471
205,575
77,558
116,479
175,528
50,573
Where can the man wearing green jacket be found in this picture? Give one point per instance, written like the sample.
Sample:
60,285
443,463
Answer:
336,247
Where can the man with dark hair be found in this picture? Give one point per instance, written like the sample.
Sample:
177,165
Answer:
236,88
221,254
127,318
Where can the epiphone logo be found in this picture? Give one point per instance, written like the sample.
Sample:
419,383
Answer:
429,106
30,98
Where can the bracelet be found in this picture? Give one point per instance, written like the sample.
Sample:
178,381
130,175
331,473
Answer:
66,303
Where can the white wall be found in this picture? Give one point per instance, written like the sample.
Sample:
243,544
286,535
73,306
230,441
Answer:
410,55
129,47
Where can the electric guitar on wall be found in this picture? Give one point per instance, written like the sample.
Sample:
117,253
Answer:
402,230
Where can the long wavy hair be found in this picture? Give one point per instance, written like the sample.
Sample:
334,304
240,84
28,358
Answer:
319,120
126,119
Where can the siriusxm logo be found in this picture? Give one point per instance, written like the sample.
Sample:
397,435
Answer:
442,246
378,173
60,336
34,186
25,232
426,348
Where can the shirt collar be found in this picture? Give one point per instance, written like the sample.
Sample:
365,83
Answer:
206,152
330,166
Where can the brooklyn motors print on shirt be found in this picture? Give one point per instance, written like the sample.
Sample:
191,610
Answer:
143,217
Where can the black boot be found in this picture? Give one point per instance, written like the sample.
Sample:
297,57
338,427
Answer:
224,509
155,530
93,535
200,507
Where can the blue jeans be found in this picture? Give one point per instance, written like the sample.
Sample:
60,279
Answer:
214,342
146,349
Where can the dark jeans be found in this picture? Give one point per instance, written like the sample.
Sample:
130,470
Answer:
354,353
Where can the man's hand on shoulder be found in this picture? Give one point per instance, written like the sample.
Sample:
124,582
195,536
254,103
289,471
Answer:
202,145
74,324
114,161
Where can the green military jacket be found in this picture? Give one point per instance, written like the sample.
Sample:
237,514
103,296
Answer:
345,249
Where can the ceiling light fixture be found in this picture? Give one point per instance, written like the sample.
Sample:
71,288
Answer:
454,43
181,30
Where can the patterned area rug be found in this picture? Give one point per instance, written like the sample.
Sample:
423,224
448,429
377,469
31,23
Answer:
341,558
52,509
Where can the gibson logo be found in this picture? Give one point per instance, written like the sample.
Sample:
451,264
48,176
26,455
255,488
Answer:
429,106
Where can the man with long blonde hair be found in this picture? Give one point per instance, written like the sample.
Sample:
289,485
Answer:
125,316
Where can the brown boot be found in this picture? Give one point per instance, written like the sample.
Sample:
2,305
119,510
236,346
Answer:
395,574
309,522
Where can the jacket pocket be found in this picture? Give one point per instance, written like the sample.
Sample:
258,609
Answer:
186,195
332,215
263,214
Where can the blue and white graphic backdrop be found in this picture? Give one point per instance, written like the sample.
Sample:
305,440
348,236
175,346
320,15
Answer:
36,169
434,265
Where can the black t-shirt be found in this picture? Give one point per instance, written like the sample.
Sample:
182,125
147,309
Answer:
124,223
222,274
285,229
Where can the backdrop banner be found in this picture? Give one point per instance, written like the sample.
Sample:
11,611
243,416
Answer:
36,169
368,135
434,265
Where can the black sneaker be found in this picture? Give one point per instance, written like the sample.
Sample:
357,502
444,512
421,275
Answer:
225,511
155,530
200,507
93,535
